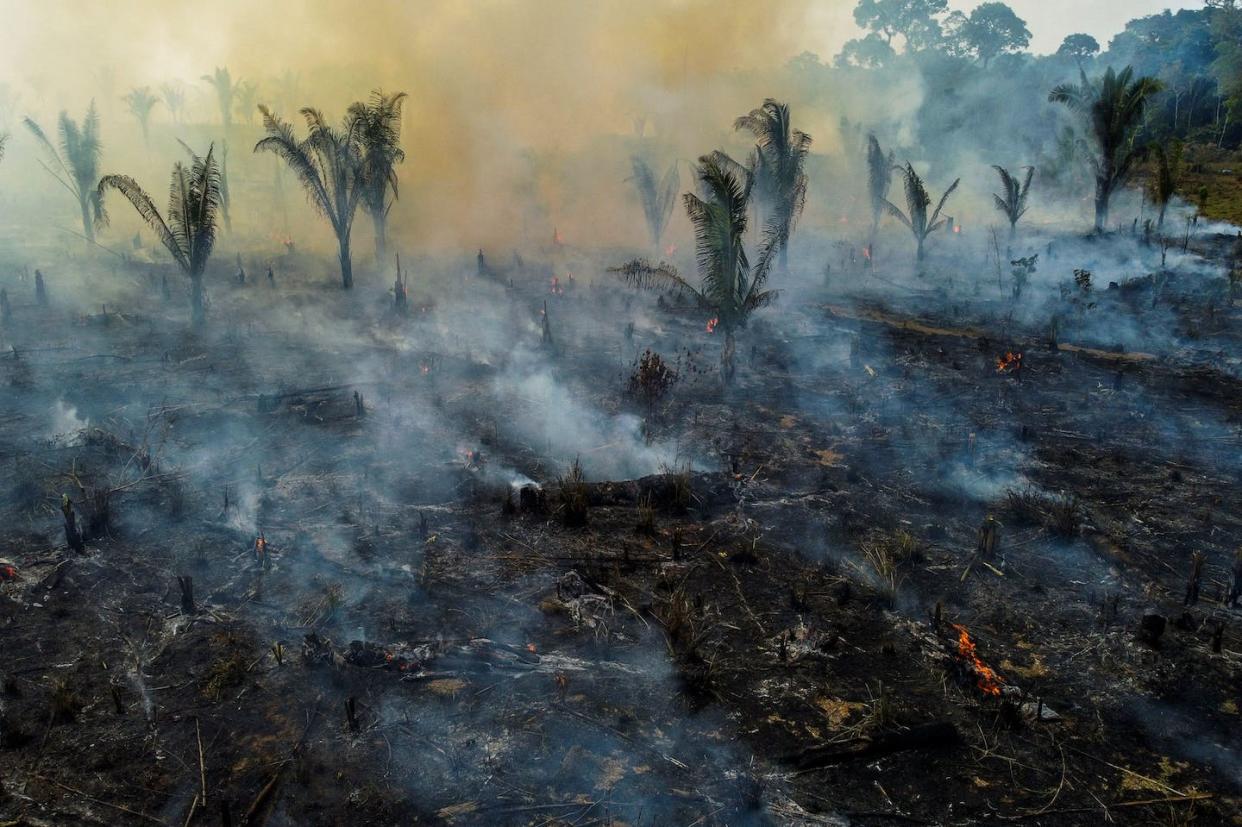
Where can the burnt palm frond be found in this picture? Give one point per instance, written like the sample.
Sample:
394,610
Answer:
74,162
188,228
1012,203
329,164
916,218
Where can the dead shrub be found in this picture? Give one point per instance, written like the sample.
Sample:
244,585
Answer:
574,496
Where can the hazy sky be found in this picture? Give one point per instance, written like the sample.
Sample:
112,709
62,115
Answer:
1051,20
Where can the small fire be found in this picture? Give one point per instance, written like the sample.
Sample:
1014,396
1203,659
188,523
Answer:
424,368
556,237
985,677
670,250
867,252
957,228
556,288
530,647
8,572
711,324
1009,363
260,547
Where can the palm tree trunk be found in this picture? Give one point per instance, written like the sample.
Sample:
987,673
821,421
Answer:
379,218
347,264
918,253
1102,196
88,228
726,357
1160,220
785,257
198,308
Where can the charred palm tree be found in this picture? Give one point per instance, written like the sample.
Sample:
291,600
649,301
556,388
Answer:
879,179
916,218
729,288
780,167
1013,203
376,125
75,164
657,198
329,165
189,233
1113,108
222,83
1168,175
140,102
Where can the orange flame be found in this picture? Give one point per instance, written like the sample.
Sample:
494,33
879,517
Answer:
867,252
957,228
711,324
985,677
556,288
1009,363
8,573
670,250
260,546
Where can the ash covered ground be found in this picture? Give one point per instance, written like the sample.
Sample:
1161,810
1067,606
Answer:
881,575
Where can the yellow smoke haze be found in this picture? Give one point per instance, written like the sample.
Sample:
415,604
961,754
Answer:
521,116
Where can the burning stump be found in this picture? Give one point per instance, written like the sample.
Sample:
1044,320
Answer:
971,668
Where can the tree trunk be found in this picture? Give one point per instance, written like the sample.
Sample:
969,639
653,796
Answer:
785,257
379,218
198,307
1102,196
1160,220
726,358
918,253
88,228
347,264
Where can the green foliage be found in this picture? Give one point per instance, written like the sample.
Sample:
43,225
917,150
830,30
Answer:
916,217
1112,109
376,127
657,199
140,102
1013,203
779,166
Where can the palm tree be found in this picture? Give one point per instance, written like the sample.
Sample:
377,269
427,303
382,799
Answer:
879,179
1113,107
329,165
141,101
247,93
657,199
189,233
376,126
780,167
916,218
75,165
1167,177
4,139
730,288
1013,202
226,89
174,99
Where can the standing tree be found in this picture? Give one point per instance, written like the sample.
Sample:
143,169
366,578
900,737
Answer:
780,167
189,233
870,52
1113,108
140,102
1013,203
913,20
226,90
1168,175
992,29
730,288
76,162
330,167
174,99
376,126
879,179
1080,47
916,219
657,199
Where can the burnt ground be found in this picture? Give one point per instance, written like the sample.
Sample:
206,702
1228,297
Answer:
770,633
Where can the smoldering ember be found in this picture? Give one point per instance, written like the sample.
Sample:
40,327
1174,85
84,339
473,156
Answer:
661,413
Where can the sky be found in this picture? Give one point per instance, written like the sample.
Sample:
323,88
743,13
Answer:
1051,20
